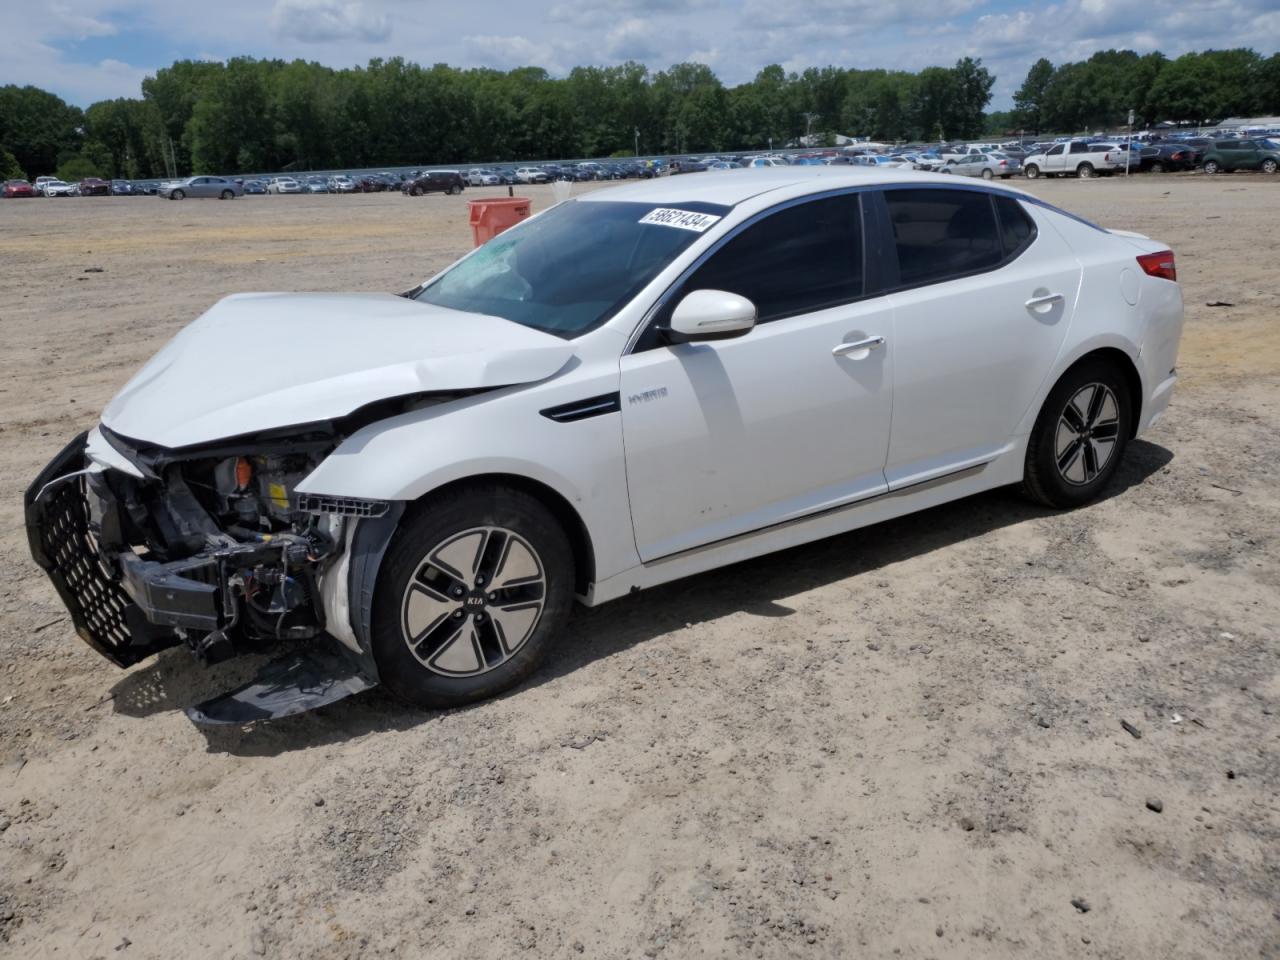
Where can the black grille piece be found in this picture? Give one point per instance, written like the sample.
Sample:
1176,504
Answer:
342,506
57,517
582,409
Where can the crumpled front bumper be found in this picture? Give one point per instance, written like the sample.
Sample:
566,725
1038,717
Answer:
57,518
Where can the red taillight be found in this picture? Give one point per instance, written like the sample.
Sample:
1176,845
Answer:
1159,265
1004,163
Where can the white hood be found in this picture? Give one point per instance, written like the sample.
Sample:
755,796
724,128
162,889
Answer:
256,361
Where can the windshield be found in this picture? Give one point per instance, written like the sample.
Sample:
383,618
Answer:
571,268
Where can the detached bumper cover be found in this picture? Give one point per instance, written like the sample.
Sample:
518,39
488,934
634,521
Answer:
62,544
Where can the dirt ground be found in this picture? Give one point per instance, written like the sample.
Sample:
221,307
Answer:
905,741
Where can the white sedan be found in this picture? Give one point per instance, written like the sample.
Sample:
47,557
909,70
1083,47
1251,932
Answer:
59,188
630,387
532,175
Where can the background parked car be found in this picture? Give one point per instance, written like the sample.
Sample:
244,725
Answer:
1224,156
41,181
200,187
532,175
121,188
1160,157
1078,157
255,187
480,177
316,185
94,187
284,185
434,181
18,188
988,166
58,188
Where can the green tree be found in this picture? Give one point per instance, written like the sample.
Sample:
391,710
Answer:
36,126
9,168
1028,102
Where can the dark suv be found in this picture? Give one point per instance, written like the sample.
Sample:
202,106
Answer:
1227,155
434,181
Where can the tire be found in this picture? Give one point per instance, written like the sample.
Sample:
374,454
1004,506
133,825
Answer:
178,195
1268,166
424,589
1085,171
1069,461
1156,167
1032,171
987,175
455,190
1212,167
227,195
415,191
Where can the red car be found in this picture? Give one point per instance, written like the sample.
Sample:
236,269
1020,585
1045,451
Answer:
93,187
18,188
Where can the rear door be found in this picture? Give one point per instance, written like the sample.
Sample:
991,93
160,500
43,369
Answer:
982,298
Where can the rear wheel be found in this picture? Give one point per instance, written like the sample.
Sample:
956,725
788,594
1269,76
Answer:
455,190
415,191
987,174
1080,436
1032,171
178,195
1268,166
474,588
227,194
1084,171
1212,166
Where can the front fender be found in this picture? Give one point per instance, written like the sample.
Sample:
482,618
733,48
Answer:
503,432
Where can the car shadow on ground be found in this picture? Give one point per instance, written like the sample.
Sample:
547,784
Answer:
175,680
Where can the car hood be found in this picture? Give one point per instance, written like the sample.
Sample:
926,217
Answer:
259,361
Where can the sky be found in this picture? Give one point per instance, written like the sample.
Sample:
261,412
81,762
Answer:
87,50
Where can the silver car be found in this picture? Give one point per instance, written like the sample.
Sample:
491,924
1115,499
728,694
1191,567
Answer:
988,166
219,187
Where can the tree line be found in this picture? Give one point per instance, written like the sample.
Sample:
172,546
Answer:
250,115
1098,93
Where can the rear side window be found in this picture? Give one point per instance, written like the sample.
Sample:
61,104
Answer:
941,233
1017,229
798,260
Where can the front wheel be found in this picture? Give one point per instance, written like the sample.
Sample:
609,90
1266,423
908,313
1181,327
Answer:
1084,171
1156,167
1032,171
1268,166
415,191
1080,436
474,588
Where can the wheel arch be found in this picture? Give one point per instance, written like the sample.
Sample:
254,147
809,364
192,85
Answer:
584,559
1122,360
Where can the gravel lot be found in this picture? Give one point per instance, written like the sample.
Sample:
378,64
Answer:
905,741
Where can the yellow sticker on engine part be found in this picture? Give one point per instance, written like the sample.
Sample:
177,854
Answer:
279,496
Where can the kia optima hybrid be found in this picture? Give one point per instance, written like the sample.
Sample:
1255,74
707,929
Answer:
632,386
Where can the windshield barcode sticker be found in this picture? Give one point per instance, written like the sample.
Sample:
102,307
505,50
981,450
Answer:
684,219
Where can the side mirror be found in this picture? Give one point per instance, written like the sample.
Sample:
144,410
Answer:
710,315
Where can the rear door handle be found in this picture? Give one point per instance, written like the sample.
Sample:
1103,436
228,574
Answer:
844,349
1044,301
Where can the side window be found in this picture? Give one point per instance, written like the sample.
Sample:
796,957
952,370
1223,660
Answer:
1017,229
798,260
943,233
1055,151
1079,148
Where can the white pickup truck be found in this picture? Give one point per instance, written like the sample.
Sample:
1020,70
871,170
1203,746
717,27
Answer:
1077,157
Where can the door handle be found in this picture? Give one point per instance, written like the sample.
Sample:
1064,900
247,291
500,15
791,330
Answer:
844,349
1044,301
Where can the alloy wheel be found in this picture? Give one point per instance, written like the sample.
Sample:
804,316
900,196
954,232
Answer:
473,601
1088,430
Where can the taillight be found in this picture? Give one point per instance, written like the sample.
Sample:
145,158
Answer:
1004,163
1159,265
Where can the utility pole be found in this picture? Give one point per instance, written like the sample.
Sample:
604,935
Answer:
637,150
1128,147
808,126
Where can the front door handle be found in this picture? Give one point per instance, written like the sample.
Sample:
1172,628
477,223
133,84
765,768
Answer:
844,349
1043,301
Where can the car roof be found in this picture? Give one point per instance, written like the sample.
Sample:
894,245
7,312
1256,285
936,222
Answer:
731,187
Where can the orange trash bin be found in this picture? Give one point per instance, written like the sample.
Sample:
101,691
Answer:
490,217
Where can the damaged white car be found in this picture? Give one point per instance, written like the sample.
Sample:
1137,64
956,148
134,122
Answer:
636,385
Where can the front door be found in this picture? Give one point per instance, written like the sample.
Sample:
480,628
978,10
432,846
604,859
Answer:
726,437
1055,161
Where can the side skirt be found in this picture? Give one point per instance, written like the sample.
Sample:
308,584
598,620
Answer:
1004,470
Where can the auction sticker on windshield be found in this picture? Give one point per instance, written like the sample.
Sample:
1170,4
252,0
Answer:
684,219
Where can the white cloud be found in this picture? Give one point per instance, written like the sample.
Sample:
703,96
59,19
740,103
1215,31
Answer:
329,21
